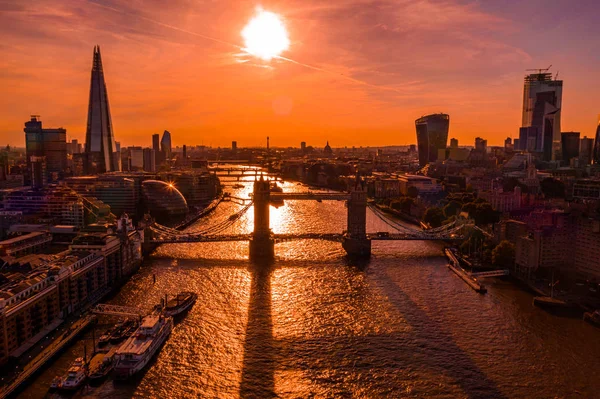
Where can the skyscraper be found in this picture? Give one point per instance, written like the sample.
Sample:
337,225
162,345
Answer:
100,146
432,135
570,146
542,102
596,155
165,145
149,160
586,151
48,143
453,143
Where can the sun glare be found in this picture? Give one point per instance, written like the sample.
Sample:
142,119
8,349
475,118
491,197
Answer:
265,35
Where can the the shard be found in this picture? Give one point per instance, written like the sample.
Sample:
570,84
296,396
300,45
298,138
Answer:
100,146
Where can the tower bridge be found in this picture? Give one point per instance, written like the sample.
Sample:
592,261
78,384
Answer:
355,240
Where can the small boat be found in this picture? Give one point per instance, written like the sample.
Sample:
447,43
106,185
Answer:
75,377
104,339
181,303
102,371
124,330
592,317
116,335
56,384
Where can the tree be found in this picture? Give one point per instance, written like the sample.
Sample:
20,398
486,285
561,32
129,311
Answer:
434,216
503,254
412,192
552,188
485,214
452,208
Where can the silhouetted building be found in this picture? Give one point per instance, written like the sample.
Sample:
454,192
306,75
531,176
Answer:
165,145
542,102
480,144
586,151
327,150
149,160
234,146
453,143
596,154
432,135
156,147
100,148
517,144
48,143
570,146
184,152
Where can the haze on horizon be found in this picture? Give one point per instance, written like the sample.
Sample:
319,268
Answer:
356,72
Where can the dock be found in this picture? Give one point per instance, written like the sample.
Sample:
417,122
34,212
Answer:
471,281
42,359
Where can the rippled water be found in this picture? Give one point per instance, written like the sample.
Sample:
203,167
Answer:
316,325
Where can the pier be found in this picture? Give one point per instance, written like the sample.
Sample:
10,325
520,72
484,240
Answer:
471,281
46,355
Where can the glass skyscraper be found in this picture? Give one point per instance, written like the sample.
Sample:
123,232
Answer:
100,149
432,135
596,155
542,102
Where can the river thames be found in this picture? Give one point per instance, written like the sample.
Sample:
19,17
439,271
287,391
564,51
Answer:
316,325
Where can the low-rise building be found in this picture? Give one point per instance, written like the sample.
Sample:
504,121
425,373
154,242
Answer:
425,185
25,244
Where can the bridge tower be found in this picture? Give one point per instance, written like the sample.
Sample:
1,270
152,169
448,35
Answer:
262,245
355,242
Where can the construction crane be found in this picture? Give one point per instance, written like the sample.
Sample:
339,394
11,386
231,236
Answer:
540,70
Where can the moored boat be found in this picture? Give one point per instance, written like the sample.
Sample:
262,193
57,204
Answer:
75,377
101,371
123,331
180,304
135,353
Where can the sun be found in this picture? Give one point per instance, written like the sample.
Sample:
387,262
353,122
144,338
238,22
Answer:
265,35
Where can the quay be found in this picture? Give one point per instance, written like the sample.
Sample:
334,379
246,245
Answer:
46,355
454,265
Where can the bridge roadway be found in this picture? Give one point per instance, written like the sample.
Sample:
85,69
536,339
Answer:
337,237
310,196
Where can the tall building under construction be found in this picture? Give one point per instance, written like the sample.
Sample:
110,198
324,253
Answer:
542,103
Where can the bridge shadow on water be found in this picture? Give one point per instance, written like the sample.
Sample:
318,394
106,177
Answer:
259,364
381,362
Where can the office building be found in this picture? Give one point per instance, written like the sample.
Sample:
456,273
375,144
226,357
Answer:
234,146
480,144
156,147
570,146
100,149
586,151
432,135
453,143
48,143
165,145
596,152
136,158
542,102
149,160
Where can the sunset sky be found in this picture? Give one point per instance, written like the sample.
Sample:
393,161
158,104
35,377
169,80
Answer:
361,71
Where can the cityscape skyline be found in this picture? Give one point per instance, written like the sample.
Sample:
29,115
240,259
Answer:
277,101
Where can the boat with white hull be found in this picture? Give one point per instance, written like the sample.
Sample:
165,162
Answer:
137,351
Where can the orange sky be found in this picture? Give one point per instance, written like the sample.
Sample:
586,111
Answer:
373,68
